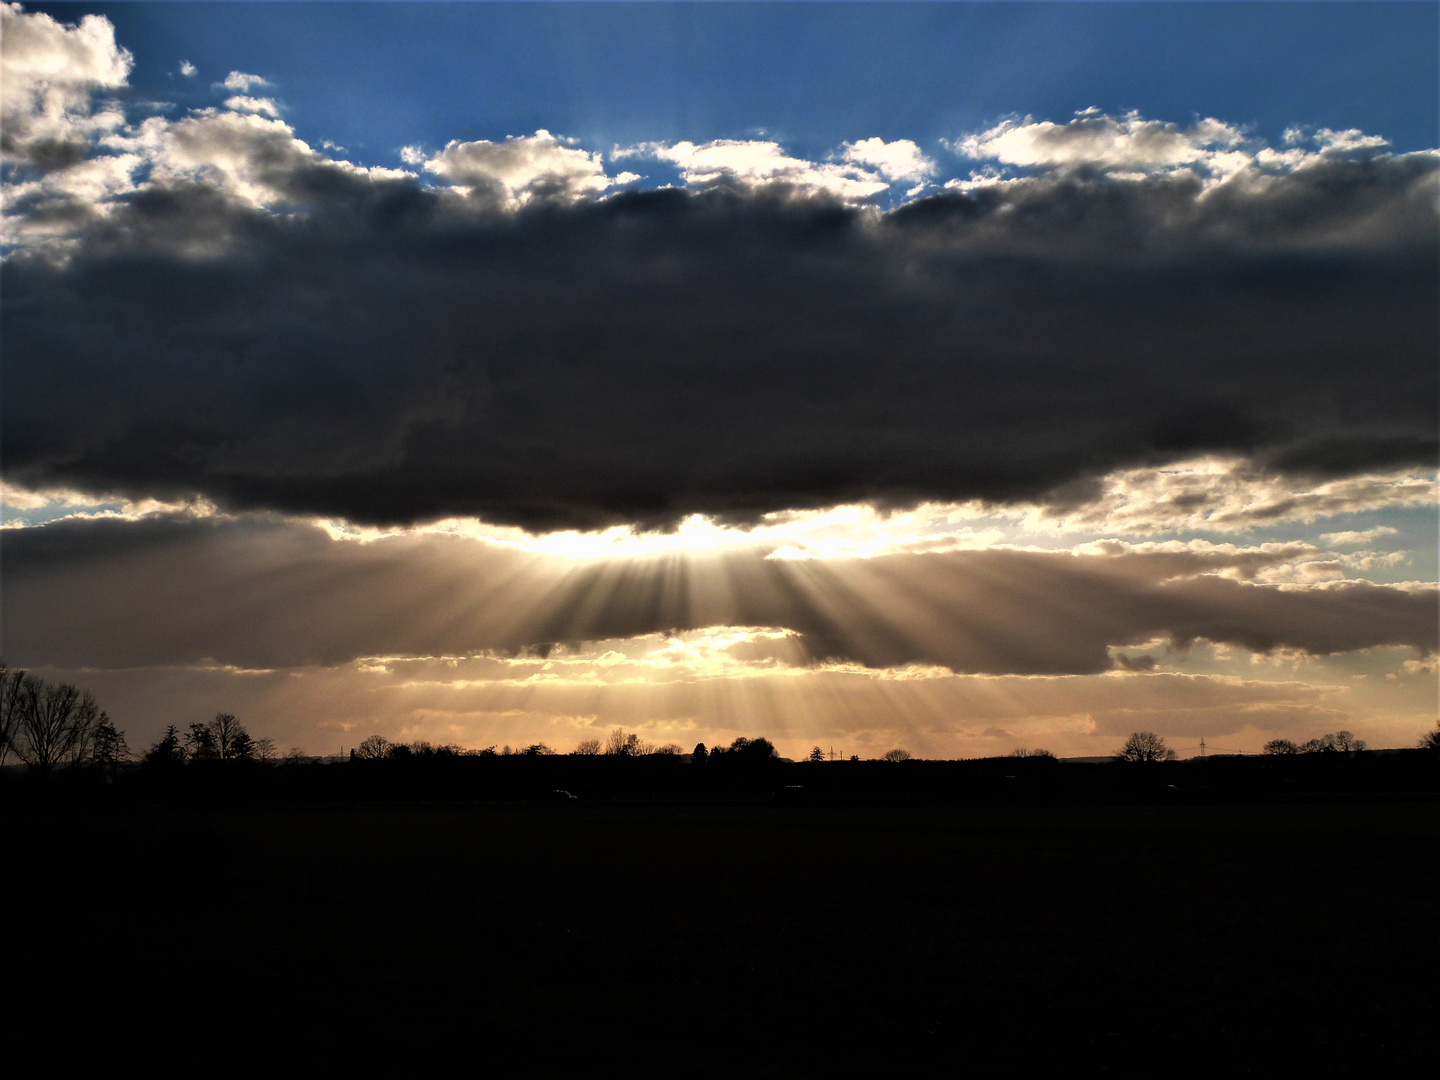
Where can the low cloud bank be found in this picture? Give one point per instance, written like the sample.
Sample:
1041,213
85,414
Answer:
266,594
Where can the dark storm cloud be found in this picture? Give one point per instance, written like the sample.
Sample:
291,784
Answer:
259,594
392,353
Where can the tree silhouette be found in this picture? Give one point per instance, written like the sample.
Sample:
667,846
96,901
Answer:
56,724
624,744
816,754
200,743
374,748
1281,746
168,752
1145,746
898,754
232,741
1431,739
1342,742
15,689
588,747
223,739
110,748
746,751
1346,743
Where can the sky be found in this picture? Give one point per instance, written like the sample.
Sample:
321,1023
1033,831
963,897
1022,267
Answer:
955,377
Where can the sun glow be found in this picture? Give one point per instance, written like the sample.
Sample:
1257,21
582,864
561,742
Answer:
849,531
1210,493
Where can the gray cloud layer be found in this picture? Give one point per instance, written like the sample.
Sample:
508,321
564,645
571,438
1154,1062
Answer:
390,352
260,594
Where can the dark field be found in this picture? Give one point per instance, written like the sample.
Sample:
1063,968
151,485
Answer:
740,939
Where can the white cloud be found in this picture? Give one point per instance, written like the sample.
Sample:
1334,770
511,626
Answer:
262,106
51,119
754,162
1124,142
244,154
48,76
1346,539
897,161
187,69
1225,495
1132,147
520,168
242,83
21,508
88,182
1348,141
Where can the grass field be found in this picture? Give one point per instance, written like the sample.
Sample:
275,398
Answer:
751,939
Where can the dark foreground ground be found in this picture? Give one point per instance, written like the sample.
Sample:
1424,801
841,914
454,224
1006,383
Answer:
742,940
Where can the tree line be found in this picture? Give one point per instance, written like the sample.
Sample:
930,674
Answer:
47,726
1339,742
222,739
619,744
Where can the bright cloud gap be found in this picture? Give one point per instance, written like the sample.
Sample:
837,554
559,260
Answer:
1209,494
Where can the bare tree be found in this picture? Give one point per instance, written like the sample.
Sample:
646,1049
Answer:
1281,746
1342,742
232,741
56,726
223,739
1145,746
668,749
898,754
16,693
265,749
624,744
1347,743
588,747
373,748
1431,739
